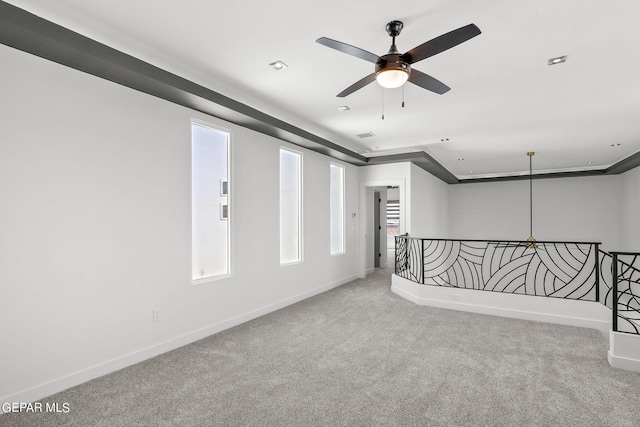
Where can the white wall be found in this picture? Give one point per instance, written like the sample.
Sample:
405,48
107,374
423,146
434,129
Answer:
565,209
429,205
594,208
96,229
630,210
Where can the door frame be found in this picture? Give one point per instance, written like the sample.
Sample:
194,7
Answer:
366,216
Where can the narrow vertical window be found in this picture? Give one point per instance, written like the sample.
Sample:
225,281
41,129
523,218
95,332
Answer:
290,206
393,217
336,207
210,196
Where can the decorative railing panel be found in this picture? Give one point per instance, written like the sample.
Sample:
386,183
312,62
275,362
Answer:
552,269
626,292
408,256
606,278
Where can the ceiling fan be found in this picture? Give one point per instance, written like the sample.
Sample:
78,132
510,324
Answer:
531,242
393,69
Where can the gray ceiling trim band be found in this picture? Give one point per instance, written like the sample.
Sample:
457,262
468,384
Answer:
623,165
420,159
25,31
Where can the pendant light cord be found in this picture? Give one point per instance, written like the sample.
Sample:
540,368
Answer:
530,194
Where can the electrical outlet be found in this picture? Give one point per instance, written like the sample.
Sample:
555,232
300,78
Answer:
156,315
455,297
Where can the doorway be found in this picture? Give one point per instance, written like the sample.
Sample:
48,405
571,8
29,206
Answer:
375,248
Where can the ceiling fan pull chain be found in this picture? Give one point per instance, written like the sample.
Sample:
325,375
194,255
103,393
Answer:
402,96
382,102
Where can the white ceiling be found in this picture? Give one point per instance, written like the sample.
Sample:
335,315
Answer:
505,100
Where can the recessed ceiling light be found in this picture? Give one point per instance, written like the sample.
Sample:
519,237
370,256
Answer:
278,65
444,139
557,60
617,144
589,163
344,108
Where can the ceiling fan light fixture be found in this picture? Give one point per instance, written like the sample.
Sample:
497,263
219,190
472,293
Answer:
392,78
391,71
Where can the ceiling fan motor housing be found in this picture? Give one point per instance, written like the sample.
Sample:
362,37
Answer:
392,61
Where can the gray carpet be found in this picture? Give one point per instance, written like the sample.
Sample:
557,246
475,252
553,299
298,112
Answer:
362,356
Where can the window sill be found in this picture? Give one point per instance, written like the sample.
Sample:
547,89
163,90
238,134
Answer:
210,279
286,264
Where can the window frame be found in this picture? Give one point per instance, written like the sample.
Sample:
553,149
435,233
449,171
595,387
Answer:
343,189
229,202
300,205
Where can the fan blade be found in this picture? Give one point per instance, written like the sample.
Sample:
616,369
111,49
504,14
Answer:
427,82
357,85
441,43
348,49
